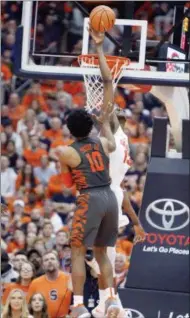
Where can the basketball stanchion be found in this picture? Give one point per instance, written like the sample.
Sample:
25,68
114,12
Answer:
158,278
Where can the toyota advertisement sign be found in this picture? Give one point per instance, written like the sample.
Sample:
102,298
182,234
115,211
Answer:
162,261
154,304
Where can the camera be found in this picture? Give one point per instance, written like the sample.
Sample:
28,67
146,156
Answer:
89,255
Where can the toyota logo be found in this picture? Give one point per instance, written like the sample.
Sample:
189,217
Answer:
132,313
167,214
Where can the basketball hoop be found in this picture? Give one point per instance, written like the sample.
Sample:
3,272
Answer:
93,83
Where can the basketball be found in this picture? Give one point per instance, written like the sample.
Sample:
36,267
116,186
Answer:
102,19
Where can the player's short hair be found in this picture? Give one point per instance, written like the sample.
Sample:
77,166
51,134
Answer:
80,123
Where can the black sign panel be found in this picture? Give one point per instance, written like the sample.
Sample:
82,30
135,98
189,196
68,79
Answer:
162,261
154,304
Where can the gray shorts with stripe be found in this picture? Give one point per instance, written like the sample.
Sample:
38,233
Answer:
95,221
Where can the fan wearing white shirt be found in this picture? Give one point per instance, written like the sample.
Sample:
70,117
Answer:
8,178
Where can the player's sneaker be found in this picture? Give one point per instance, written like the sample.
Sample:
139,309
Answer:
98,311
112,308
80,311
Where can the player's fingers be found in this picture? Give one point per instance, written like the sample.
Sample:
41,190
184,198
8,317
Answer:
95,118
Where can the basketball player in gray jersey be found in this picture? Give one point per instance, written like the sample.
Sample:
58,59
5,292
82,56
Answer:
95,221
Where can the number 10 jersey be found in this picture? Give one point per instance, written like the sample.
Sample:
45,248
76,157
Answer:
93,171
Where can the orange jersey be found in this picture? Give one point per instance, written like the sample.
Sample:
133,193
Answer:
58,182
56,293
9,287
34,157
29,98
6,72
53,134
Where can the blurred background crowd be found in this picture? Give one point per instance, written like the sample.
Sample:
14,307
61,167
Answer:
40,198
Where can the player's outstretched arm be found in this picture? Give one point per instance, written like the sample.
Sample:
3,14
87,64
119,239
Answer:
139,231
106,77
108,141
98,39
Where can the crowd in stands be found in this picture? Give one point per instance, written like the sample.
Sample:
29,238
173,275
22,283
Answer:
39,196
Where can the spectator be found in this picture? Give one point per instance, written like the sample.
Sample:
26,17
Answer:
27,273
8,274
52,215
163,19
45,170
121,268
32,228
11,153
17,243
75,28
48,236
19,216
16,305
13,136
4,115
26,180
54,286
35,258
27,126
30,240
8,178
60,186
33,153
34,94
39,245
55,131
3,143
38,306
16,110
19,259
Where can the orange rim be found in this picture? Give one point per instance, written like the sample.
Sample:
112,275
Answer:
92,59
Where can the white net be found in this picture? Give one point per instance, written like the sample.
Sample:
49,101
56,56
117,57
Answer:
94,84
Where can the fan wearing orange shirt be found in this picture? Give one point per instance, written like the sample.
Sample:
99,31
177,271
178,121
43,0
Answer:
5,70
55,132
61,183
27,272
16,110
34,153
54,286
35,94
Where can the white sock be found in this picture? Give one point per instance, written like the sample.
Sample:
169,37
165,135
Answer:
102,297
109,292
78,300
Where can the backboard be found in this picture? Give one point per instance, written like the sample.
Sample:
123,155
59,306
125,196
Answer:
163,69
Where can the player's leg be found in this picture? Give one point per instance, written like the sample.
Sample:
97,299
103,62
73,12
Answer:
107,236
78,252
86,223
111,252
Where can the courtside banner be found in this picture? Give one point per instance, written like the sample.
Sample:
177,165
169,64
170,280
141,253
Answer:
154,304
162,261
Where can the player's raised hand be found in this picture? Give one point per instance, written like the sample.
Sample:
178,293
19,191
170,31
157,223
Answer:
98,37
140,234
105,114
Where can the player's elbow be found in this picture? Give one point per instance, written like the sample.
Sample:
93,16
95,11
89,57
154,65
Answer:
112,146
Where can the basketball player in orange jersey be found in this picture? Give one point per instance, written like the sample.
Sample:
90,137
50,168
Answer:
95,222
119,164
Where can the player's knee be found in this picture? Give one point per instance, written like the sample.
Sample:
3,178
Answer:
77,251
